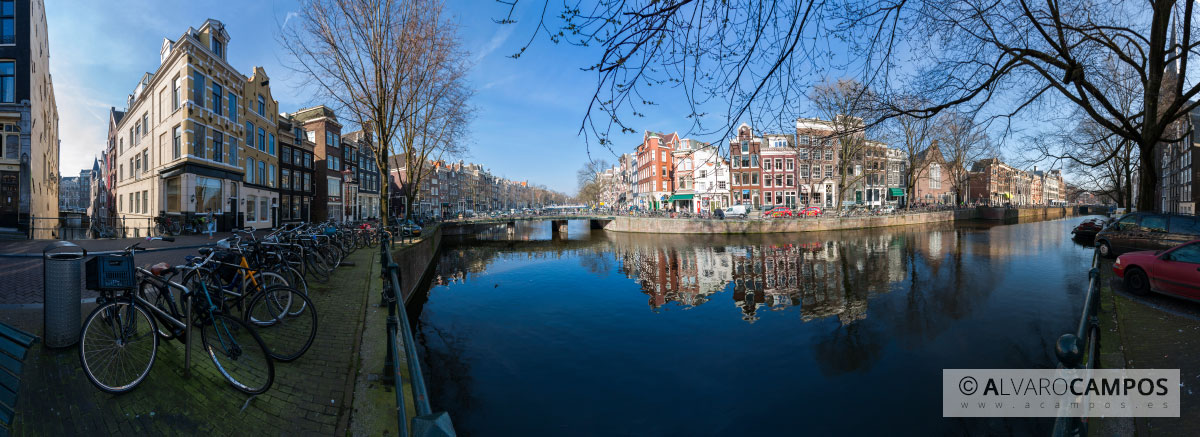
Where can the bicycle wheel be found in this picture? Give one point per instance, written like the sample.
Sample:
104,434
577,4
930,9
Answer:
296,280
160,230
150,292
317,265
117,346
239,353
287,332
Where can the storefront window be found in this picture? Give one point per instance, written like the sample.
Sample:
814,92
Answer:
250,209
263,214
173,192
208,194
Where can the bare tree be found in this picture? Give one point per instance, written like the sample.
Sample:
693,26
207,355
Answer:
592,183
1004,59
845,103
394,65
913,136
962,142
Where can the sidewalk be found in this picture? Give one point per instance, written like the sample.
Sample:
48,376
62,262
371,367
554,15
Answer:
1150,332
21,262
310,396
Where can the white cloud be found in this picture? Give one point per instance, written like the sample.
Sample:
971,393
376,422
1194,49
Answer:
497,40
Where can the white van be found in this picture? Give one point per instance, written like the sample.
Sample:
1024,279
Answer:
739,211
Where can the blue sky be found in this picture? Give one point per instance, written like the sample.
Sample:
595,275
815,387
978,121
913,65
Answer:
528,110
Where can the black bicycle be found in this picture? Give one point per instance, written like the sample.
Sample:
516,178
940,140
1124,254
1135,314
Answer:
119,339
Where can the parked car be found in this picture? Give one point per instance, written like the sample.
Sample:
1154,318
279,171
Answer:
778,211
1146,231
1175,271
408,227
812,211
738,211
1089,228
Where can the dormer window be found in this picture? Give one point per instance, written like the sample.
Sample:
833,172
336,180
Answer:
217,47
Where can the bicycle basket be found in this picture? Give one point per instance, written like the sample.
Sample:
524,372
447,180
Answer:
109,273
330,230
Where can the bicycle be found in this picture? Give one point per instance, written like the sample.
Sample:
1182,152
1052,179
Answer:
119,339
165,225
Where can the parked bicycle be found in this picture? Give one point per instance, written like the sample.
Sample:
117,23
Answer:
119,339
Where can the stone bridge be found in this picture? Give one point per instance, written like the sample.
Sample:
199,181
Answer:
558,223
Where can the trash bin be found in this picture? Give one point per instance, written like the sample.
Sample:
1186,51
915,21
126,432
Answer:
62,266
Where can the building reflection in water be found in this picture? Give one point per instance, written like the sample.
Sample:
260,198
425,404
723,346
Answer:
802,273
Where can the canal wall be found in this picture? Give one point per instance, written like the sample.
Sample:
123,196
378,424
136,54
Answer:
418,259
657,225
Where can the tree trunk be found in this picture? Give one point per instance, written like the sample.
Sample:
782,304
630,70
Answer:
1147,178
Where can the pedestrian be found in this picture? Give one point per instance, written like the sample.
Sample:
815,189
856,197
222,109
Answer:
210,222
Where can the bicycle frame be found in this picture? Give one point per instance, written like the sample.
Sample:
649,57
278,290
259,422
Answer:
163,316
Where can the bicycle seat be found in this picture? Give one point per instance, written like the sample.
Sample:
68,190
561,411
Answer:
162,269
205,251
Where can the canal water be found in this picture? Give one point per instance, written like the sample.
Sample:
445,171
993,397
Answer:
818,333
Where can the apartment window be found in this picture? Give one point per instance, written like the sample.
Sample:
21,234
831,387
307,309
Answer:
217,95
767,181
778,180
829,154
198,141
250,135
790,181
8,22
285,155
145,201
198,88
233,148
250,202
250,170
754,178
175,85
216,47
262,106
308,158
791,164
828,170
285,179
262,173
217,151
262,140
271,175
145,123
173,191
804,170
803,154
12,146
745,147
307,181
271,144
136,202
146,160
335,187
7,81
766,164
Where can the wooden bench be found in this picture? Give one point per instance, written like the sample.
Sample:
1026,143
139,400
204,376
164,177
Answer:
14,344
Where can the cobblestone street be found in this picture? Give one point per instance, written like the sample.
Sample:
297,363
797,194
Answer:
310,396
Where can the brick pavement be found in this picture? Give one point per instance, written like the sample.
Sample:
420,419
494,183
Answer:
310,396
1150,332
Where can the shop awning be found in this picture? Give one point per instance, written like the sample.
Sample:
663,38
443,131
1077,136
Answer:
680,197
896,192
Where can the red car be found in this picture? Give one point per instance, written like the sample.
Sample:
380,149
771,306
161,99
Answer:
811,211
1173,271
778,211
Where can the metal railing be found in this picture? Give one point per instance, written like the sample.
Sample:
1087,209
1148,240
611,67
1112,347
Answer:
399,336
1070,356
82,227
